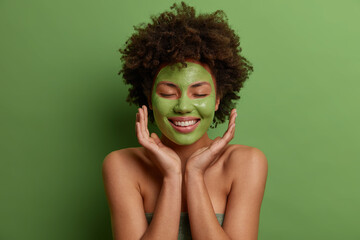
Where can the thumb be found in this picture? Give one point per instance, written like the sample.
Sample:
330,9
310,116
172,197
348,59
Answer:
157,139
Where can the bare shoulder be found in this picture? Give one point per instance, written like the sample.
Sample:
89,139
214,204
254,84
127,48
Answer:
127,159
122,154
120,172
131,164
247,152
246,159
121,164
125,165
248,168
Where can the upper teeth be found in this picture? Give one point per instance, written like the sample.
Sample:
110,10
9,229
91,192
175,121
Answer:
185,123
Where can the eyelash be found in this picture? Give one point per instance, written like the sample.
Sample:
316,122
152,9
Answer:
200,95
167,95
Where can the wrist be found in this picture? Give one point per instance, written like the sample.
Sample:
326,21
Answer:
173,172
193,171
174,177
193,174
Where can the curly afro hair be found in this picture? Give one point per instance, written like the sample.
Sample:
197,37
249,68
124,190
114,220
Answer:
175,36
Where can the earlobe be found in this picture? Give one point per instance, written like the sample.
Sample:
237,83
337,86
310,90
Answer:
217,103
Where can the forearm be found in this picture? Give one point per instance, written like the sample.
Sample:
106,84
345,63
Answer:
203,221
166,217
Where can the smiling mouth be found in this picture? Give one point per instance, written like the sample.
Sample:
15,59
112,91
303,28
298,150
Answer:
184,125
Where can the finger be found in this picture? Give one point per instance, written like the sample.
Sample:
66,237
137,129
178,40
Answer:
138,133
146,115
229,133
136,121
231,123
225,139
142,124
234,125
217,145
217,139
233,119
138,116
220,142
143,140
233,116
146,120
142,113
232,132
157,139
228,130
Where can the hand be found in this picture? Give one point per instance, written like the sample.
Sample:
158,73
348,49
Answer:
165,159
200,160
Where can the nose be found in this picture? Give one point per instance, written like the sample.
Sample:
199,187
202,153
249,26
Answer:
184,105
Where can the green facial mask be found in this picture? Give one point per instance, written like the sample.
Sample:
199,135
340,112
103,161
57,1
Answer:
186,102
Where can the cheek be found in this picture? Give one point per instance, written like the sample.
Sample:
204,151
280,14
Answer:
206,107
162,106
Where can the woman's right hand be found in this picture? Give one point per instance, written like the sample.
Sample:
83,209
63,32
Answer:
166,160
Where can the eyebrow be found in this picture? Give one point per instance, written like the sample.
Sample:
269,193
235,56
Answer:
199,84
167,84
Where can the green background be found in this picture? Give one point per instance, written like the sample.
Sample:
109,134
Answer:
63,109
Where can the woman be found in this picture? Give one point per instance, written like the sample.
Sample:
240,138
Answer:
185,71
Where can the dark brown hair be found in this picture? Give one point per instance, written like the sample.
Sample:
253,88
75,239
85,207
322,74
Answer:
180,34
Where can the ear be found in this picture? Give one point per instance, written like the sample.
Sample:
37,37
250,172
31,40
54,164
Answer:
217,103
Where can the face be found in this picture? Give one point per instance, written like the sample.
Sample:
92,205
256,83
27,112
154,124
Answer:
184,102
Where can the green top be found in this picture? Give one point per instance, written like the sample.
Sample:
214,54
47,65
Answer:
184,226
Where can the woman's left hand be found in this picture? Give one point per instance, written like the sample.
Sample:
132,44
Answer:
200,160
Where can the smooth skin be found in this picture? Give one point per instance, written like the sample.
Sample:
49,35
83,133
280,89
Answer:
202,178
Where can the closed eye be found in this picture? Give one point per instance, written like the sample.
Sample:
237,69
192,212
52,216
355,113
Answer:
200,95
166,95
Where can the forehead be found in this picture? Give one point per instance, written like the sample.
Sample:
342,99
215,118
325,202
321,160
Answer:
184,76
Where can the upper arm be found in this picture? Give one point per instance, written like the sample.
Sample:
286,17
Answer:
246,194
123,194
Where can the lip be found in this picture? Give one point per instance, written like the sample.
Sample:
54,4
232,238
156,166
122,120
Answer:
187,129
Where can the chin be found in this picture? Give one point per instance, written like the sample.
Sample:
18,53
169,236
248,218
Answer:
184,141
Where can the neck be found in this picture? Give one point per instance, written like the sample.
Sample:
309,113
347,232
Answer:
185,151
